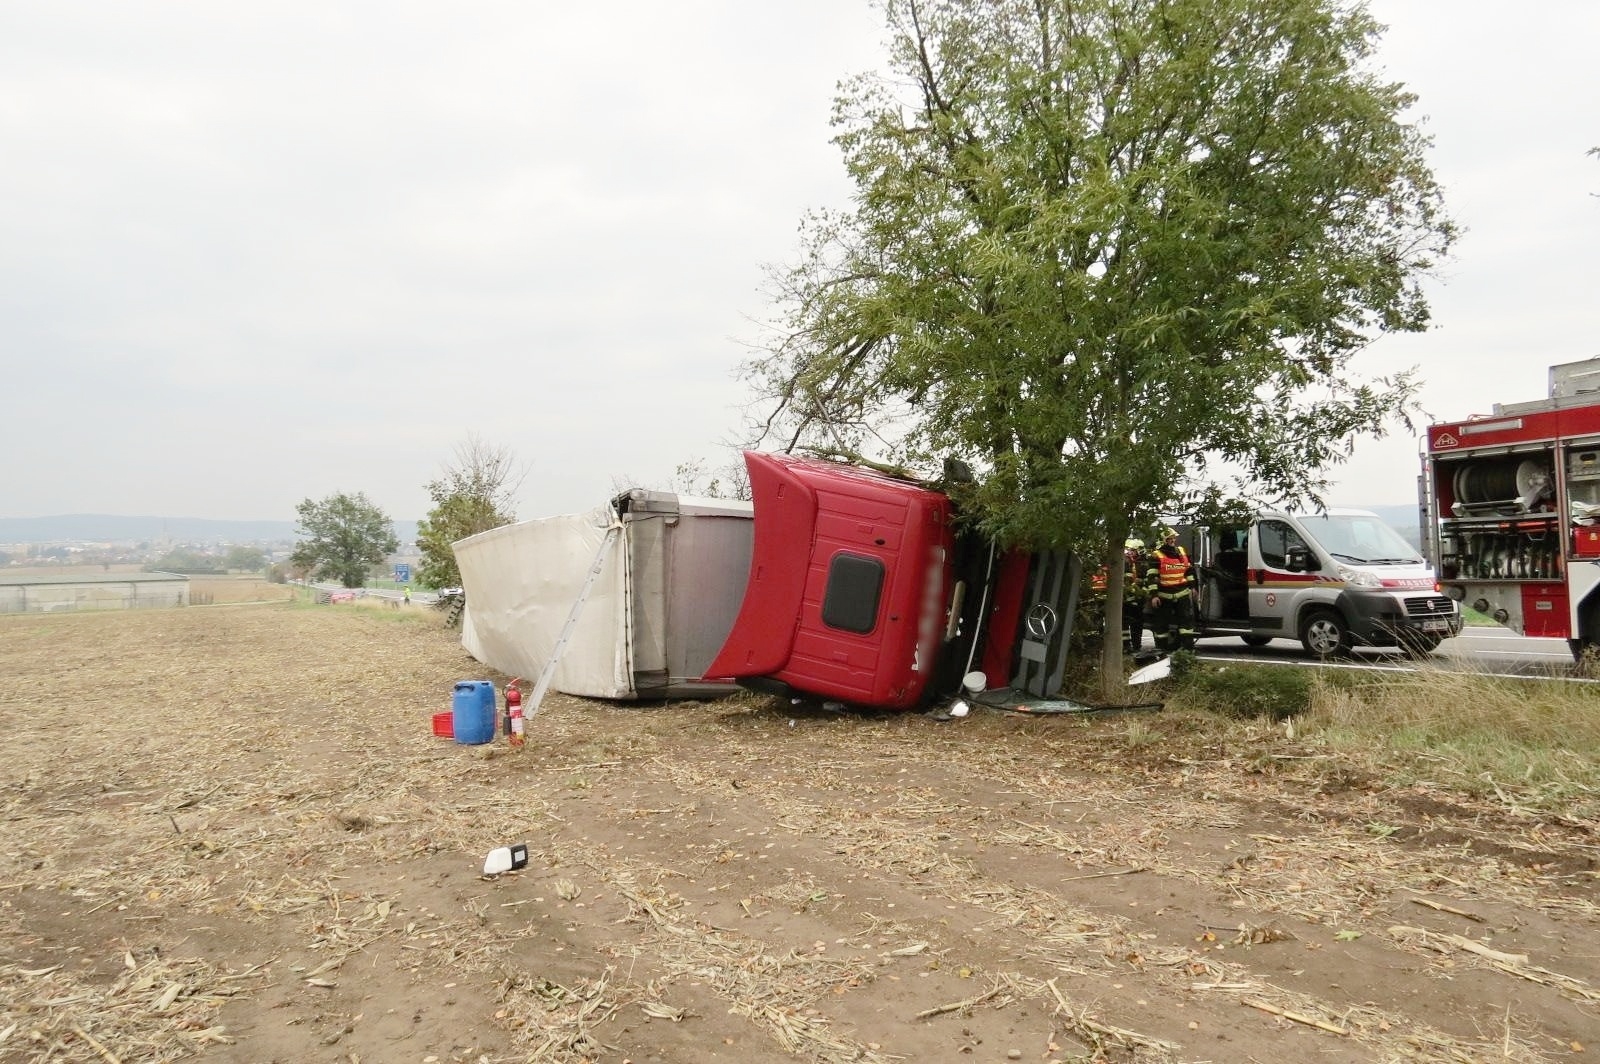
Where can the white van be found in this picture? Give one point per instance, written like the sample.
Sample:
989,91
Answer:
1333,580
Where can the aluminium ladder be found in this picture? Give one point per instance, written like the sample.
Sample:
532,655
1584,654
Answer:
549,670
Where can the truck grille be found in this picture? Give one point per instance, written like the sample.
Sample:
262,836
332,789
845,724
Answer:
1430,606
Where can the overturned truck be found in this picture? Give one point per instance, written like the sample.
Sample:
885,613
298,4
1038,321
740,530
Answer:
835,583
657,578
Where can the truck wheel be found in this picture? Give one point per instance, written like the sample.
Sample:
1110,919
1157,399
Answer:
1323,635
1256,640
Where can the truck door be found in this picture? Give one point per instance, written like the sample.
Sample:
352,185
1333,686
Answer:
1274,590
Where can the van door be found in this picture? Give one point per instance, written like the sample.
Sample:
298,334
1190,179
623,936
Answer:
1221,560
1274,589
1201,546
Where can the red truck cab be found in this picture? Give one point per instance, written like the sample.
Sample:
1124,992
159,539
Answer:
850,584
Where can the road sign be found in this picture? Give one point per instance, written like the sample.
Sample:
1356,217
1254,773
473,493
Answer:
402,573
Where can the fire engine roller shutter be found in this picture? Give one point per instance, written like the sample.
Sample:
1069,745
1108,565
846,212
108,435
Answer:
855,584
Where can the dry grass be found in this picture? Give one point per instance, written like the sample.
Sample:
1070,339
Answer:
229,590
1532,744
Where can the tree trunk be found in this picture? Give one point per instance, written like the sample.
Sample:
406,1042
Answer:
1112,683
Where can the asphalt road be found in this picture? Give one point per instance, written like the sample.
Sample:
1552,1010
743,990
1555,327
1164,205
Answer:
1492,651
422,598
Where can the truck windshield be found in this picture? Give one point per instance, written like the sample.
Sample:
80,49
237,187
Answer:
1360,539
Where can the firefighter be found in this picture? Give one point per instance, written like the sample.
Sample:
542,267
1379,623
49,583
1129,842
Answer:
1097,585
1092,612
1134,593
1170,583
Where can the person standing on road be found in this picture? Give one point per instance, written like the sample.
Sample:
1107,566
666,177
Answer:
407,596
1170,581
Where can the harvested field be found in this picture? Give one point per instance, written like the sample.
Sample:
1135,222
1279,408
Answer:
231,836
224,590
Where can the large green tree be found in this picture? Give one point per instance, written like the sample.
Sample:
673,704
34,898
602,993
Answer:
342,537
1103,249
474,495
246,559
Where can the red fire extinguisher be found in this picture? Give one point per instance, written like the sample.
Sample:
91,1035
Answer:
514,723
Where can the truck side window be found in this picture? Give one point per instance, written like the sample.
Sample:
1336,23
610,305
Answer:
1276,538
850,601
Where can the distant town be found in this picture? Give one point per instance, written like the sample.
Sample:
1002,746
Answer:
181,545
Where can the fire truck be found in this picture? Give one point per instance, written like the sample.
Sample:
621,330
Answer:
1511,509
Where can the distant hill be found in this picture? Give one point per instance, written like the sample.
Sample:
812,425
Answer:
1406,520
111,528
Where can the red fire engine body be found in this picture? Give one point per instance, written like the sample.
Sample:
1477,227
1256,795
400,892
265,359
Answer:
1511,503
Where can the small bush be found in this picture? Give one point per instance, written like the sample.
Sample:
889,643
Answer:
1244,692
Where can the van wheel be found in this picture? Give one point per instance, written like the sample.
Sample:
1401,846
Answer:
1256,640
1323,635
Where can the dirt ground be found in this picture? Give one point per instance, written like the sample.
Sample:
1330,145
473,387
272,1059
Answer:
230,835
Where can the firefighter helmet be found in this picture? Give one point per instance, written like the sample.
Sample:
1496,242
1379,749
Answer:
1169,533
1135,543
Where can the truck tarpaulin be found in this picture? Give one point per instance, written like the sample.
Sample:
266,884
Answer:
656,613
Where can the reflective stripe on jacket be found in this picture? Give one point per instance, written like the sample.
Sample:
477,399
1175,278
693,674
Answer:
1169,575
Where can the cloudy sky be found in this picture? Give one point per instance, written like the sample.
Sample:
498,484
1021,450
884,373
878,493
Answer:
252,254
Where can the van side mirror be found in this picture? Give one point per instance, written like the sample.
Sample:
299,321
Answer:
1301,560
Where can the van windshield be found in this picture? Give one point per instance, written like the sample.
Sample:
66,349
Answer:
1360,539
